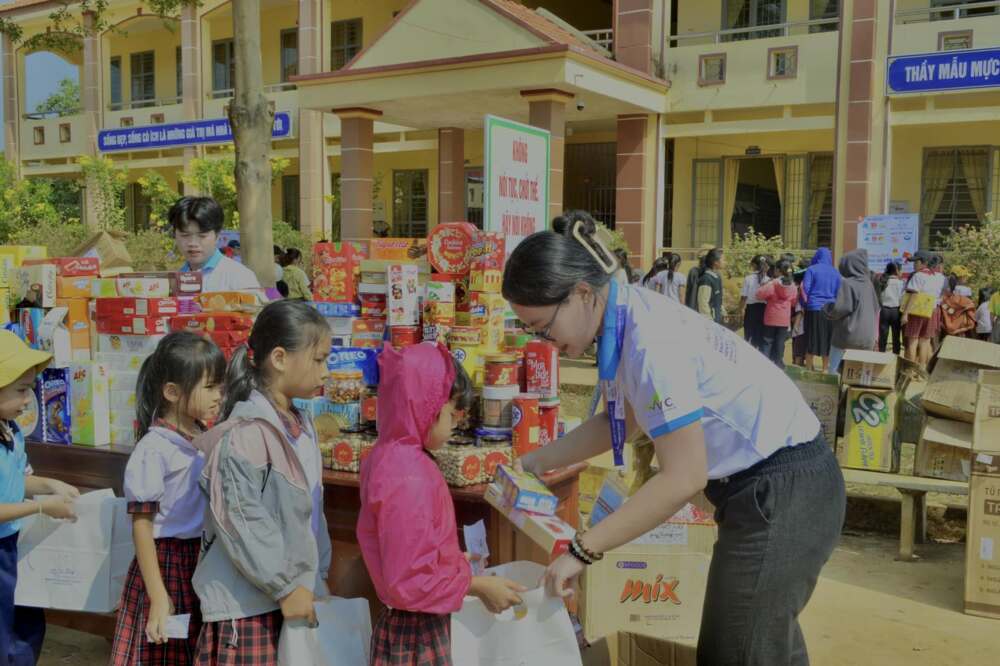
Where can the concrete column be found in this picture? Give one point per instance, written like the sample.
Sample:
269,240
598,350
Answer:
314,179
191,88
633,33
636,160
92,102
356,174
451,174
547,110
11,104
861,129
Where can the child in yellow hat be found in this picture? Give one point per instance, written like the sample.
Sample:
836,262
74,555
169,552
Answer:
21,629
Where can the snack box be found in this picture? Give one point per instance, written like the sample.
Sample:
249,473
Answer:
487,259
70,266
337,309
36,281
403,299
440,290
103,288
90,398
122,400
227,301
148,287
122,380
140,344
336,268
341,325
18,254
122,436
74,286
522,490
211,322
394,249
227,340
550,533
137,307
30,320
54,338
121,362
355,358
56,410
449,247
133,326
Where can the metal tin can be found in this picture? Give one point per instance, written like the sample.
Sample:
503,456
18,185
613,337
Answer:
542,364
468,357
525,422
501,370
369,406
405,336
497,405
464,336
548,421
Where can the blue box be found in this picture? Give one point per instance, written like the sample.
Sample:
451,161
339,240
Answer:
337,309
355,358
525,492
56,406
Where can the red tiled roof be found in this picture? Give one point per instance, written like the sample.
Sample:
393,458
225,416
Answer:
23,4
538,24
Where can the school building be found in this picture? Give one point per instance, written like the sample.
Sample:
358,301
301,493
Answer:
678,122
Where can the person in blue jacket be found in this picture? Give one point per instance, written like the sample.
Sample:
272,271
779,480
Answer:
819,287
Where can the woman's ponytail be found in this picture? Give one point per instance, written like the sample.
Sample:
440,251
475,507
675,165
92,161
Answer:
241,380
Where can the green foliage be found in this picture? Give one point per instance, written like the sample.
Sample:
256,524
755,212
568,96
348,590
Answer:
287,236
616,238
215,177
60,237
160,196
63,102
744,248
27,204
152,250
978,250
108,181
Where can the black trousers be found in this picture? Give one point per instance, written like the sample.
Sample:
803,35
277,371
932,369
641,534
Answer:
774,344
753,324
890,319
779,522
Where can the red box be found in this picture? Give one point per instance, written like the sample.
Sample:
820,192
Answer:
211,322
227,339
336,271
181,284
110,308
133,326
70,266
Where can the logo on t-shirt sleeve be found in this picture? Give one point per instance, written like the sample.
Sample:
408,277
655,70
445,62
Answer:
658,404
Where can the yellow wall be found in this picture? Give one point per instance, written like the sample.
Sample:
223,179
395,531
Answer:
706,16
712,147
375,17
272,22
154,37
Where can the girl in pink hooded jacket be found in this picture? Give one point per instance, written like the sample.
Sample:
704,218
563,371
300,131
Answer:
407,529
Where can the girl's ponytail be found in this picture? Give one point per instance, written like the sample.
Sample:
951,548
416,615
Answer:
241,380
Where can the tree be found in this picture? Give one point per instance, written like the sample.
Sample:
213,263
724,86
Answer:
65,101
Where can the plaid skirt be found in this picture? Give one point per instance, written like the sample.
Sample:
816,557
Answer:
923,327
177,559
249,641
402,638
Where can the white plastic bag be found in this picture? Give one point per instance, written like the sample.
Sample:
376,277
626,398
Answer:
539,632
343,637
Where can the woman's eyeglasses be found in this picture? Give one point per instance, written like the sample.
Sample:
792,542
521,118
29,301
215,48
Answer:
544,334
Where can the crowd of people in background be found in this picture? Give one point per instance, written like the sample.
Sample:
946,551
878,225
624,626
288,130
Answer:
827,311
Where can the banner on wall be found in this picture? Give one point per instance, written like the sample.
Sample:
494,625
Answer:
950,70
174,135
890,238
516,183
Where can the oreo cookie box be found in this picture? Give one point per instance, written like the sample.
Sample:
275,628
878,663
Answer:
355,358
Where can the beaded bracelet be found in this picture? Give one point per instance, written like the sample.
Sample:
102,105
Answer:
594,557
575,552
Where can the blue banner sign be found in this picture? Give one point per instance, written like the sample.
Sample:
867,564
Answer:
174,135
952,70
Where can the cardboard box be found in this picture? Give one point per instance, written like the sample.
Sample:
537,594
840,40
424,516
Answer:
337,309
30,320
78,323
15,255
137,307
982,542
986,429
550,533
135,344
122,400
104,288
212,321
488,311
655,588
123,436
335,271
54,338
394,249
5,306
89,394
368,333
36,284
147,287
70,266
227,301
121,380
134,326
821,391
487,260
952,389
870,441
522,490
56,408
119,362
627,649
945,450
869,369
109,248
403,298
77,287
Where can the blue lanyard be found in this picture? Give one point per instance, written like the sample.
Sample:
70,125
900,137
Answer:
614,394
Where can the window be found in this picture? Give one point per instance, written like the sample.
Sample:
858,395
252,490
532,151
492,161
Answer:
116,83
65,133
345,42
290,200
409,210
39,135
157,118
820,208
706,214
957,12
782,63
668,193
143,79
824,9
180,75
126,121
335,216
711,69
223,68
289,54
752,14
955,40
474,196
137,208
955,191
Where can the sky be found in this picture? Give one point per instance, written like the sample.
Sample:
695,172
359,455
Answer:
44,71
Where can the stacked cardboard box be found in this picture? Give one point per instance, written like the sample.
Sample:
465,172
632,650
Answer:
982,541
870,439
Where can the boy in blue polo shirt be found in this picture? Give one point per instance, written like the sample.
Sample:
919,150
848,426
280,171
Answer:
21,629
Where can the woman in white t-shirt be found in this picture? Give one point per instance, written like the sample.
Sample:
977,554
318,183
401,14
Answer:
753,312
984,318
919,330
722,418
891,288
671,282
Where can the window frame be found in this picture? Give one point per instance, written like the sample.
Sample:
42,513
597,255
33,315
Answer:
925,226
948,34
293,65
754,7
142,78
702,59
290,206
772,52
345,48
116,101
411,230
229,64
180,74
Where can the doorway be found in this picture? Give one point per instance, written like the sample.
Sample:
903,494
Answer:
758,195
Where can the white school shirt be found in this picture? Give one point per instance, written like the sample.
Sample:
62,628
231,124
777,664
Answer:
164,467
984,321
220,273
676,367
892,295
926,282
662,283
751,284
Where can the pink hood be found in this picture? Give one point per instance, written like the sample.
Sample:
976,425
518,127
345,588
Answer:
406,528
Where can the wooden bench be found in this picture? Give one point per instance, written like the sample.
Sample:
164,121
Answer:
913,492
